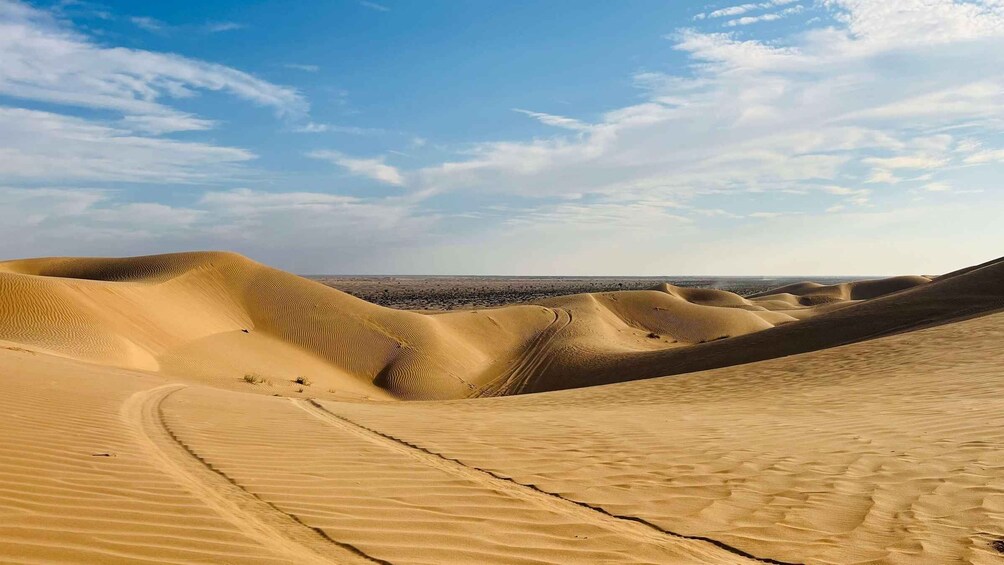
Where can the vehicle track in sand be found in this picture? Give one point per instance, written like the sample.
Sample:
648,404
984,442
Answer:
530,363
700,547
277,531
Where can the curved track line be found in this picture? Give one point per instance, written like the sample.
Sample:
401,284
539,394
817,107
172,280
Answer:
515,378
631,526
277,531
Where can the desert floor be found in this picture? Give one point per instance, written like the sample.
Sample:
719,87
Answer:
151,412
427,293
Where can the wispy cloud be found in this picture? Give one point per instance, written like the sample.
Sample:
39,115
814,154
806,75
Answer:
156,26
373,168
740,9
769,17
314,127
58,220
80,72
789,115
374,6
300,67
135,90
218,27
985,156
41,146
555,121
149,24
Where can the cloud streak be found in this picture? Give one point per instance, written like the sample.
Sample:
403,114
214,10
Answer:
374,6
44,60
373,168
787,115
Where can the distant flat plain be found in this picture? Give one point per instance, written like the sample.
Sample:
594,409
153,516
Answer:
418,292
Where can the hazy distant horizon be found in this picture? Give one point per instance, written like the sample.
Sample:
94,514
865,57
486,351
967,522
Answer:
640,277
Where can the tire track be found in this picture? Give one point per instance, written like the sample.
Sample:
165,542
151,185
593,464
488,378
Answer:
706,549
277,531
531,361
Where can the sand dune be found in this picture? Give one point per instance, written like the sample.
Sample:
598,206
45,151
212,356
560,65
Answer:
811,294
882,451
137,313
975,292
851,423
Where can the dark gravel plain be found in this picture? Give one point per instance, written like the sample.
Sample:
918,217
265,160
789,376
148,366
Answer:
469,292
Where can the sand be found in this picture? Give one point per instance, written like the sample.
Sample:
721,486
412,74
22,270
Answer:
846,423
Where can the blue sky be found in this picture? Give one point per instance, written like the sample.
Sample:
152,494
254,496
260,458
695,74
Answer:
466,137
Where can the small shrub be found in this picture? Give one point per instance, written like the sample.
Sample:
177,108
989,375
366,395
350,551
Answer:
653,335
299,389
253,378
302,381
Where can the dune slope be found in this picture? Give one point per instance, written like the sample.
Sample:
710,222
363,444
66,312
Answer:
883,451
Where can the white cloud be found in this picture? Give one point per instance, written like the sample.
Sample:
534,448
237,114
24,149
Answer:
149,24
373,168
904,162
374,6
904,23
44,146
61,221
313,127
883,176
42,59
218,27
985,156
726,52
847,105
156,124
770,17
608,215
555,121
937,187
745,8
301,67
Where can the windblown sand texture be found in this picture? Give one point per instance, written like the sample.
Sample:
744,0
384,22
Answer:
850,423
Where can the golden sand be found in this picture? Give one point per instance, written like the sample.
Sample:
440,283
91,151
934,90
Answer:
151,412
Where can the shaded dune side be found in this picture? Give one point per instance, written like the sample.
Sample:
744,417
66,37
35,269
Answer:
917,306
811,294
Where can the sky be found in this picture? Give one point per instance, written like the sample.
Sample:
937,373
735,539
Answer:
569,137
